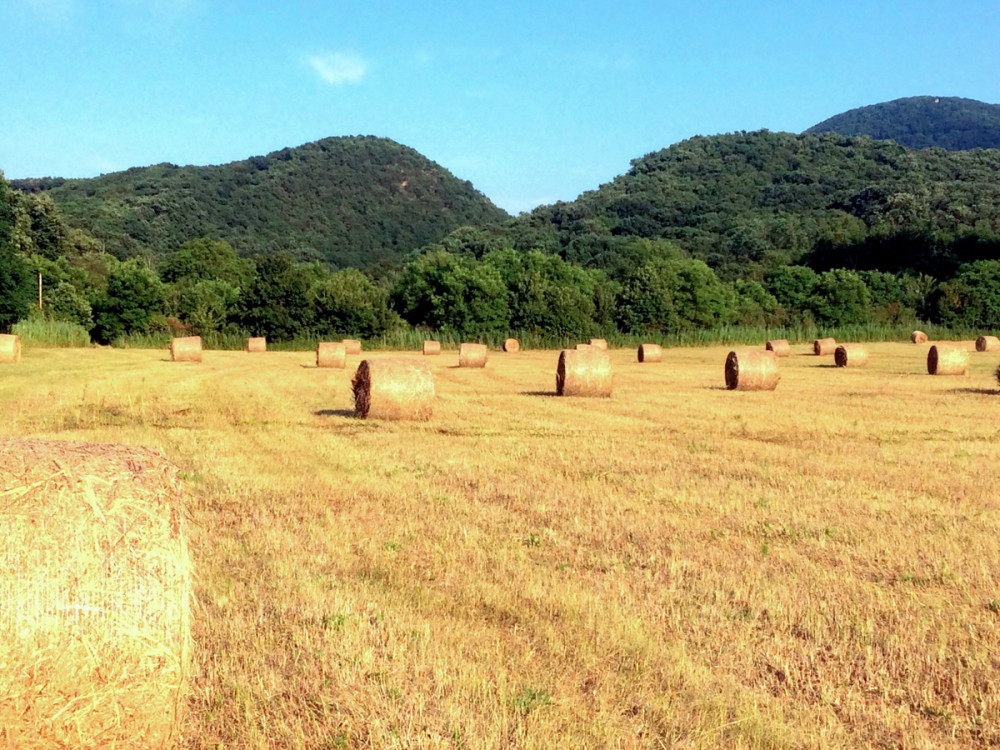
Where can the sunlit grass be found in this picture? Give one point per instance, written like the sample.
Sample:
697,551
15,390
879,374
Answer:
677,566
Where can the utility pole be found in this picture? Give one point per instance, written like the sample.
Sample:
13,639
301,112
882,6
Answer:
39,290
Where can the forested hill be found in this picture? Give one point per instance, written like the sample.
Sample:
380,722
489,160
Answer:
768,199
350,201
923,122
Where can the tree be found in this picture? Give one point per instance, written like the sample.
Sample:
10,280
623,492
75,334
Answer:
134,294
15,288
670,295
205,259
348,303
277,302
972,298
842,298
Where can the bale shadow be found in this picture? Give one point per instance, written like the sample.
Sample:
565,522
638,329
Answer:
977,391
334,413
543,394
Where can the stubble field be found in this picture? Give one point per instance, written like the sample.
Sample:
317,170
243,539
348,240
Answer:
677,566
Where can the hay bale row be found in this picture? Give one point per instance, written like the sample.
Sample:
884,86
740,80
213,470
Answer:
943,359
10,348
851,355
987,343
398,388
918,337
824,347
584,372
95,596
473,355
780,347
185,349
511,345
752,370
432,348
257,344
331,354
650,353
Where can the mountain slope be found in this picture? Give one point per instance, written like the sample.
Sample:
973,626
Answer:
922,122
351,201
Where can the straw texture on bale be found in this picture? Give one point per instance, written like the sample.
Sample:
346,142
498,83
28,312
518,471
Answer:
185,349
10,348
987,343
95,595
331,354
824,347
918,337
650,353
780,347
851,355
352,346
511,345
393,389
947,360
432,348
752,370
257,344
599,343
472,355
584,372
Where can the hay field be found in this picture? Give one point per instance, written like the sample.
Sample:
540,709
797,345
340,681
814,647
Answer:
677,566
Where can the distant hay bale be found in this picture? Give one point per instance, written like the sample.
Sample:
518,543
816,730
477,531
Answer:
851,355
398,388
10,348
752,370
943,359
331,354
257,344
587,346
824,347
432,348
918,337
780,347
584,372
987,343
473,355
599,343
185,349
95,596
649,353
352,346
511,345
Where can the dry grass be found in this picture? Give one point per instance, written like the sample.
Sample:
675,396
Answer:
676,566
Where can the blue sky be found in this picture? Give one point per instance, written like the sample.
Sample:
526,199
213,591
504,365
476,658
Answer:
532,102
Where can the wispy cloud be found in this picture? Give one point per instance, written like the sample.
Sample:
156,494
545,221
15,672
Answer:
338,68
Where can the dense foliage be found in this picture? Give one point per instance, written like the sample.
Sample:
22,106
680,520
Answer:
922,122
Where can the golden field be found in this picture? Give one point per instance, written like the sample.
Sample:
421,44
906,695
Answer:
677,566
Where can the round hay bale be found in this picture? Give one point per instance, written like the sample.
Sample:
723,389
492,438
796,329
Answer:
918,337
10,348
257,344
352,346
599,343
95,596
851,355
584,372
650,353
752,370
185,349
780,347
397,388
943,359
511,345
587,346
987,343
432,348
473,355
824,347
331,354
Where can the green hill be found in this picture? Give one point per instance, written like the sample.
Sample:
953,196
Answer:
923,122
351,201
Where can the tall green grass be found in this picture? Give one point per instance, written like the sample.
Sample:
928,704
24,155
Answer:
51,333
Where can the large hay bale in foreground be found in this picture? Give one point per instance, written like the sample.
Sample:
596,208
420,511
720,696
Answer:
584,372
185,349
352,346
473,355
257,344
851,355
780,347
599,343
95,595
987,343
511,345
398,388
824,347
432,348
943,359
918,337
649,353
331,354
10,348
752,370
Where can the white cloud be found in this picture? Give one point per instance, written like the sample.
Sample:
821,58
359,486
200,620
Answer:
338,68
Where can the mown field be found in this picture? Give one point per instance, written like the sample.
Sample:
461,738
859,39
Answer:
677,566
